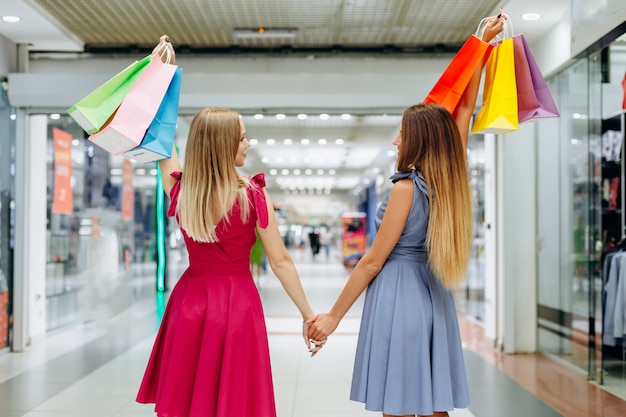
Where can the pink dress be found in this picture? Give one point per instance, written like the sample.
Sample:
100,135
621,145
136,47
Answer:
211,354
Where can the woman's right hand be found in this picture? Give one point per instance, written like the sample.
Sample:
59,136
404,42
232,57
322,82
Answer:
165,50
492,26
321,326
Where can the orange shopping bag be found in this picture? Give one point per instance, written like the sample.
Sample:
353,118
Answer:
449,89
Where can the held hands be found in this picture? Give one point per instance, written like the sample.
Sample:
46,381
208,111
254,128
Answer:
319,328
165,50
492,26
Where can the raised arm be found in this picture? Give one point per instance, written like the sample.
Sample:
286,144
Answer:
172,164
463,113
282,265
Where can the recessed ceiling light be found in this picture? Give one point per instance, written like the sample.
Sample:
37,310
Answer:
258,116
11,19
531,16
280,116
302,116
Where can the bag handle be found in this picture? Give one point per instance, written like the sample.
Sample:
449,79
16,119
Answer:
158,50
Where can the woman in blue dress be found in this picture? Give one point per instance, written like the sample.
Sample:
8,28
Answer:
409,358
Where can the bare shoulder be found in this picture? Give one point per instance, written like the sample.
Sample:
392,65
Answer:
402,188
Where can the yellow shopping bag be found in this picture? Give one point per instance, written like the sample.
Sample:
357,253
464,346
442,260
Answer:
498,113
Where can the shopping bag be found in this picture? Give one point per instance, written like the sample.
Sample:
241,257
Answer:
449,89
498,113
93,111
128,126
159,139
534,100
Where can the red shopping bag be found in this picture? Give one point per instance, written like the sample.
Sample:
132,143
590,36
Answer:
449,89
128,125
534,100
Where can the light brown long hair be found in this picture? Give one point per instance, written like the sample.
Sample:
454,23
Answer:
211,184
432,145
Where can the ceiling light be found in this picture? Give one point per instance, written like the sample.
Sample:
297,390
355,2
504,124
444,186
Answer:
265,33
531,16
339,141
258,116
280,116
270,141
273,171
324,116
346,116
287,141
322,141
302,116
253,142
11,19
304,141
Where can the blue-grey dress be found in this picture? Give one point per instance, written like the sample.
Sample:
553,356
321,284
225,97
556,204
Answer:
409,358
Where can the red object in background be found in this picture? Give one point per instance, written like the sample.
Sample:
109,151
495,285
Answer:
624,88
4,319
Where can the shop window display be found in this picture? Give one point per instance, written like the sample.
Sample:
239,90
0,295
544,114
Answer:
7,214
101,249
581,220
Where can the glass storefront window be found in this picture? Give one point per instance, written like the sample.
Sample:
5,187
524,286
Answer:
102,248
7,215
580,218
470,297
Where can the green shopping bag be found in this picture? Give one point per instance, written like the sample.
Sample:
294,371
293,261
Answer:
93,111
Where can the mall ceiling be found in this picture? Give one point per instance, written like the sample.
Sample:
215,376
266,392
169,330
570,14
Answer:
341,154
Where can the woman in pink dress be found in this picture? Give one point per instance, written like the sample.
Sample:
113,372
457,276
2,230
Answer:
211,355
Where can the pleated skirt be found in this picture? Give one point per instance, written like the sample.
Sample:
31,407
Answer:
211,354
409,357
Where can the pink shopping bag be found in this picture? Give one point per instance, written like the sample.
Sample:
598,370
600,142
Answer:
534,100
129,123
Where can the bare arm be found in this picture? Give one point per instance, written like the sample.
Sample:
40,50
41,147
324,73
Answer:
465,109
168,166
369,266
171,164
282,265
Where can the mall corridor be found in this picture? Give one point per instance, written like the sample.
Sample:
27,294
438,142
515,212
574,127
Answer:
94,369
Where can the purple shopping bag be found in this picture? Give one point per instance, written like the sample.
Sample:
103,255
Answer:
534,99
128,125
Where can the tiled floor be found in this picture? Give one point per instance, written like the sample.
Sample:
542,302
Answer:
94,370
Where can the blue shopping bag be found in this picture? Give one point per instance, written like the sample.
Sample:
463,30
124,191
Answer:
159,138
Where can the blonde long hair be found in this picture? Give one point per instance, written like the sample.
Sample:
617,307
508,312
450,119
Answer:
211,184
431,143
